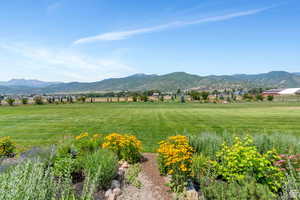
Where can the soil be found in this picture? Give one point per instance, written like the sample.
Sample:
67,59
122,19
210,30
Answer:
153,185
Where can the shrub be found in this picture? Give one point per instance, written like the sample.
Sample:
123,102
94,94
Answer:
7,147
126,147
259,97
241,159
33,180
208,144
10,101
63,166
283,143
131,175
38,100
175,157
200,167
24,101
101,164
270,97
86,143
237,190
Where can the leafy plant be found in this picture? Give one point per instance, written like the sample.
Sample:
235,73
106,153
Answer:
131,175
7,147
24,101
103,164
241,159
10,101
244,189
270,97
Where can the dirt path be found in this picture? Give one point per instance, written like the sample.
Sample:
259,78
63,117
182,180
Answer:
153,188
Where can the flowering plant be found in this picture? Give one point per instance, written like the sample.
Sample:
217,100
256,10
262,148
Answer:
87,143
175,157
7,147
127,147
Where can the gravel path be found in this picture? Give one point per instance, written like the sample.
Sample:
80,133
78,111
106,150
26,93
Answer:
153,185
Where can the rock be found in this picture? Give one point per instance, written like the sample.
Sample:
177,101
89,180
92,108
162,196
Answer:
125,165
108,193
117,191
112,196
115,184
192,195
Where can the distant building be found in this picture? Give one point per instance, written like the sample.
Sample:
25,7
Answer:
287,91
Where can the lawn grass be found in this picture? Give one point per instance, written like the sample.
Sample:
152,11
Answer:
33,125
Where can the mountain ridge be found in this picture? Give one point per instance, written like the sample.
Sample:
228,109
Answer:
166,82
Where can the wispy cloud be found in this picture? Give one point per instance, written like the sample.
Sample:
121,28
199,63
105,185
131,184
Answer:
121,35
63,64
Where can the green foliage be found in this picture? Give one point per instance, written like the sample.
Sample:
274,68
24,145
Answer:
247,97
208,144
241,159
259,97
24,101
38,100
246,189
10,101
102,164
204,95
270,97
200,166
7,147
131,175
63,166
283,143
33,180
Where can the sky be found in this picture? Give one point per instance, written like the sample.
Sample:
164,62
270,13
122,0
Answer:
91,40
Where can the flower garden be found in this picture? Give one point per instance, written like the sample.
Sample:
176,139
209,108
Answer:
212,166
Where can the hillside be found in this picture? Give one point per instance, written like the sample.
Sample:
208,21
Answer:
167,82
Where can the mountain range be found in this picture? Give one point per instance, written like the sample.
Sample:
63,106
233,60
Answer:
167,82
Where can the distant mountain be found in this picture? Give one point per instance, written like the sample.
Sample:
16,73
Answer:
167,82
27,83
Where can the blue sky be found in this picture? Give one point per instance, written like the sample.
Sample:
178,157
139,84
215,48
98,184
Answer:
90,40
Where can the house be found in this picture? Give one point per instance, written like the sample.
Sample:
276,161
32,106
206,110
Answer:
287,91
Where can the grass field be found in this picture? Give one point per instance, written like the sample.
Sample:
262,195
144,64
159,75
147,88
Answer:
34,125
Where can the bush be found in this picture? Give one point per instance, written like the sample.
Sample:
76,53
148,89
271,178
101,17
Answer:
10,101
200,167
102,165
63,166
283,143
126,147
241,159
208,144
7,147
237,190
175,157
24,101
85,143
270,97
38,100
33,180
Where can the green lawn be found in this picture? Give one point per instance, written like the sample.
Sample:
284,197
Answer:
42,125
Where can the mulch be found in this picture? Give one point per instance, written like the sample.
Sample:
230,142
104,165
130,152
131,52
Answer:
150,169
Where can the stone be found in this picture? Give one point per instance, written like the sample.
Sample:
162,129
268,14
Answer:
117,191
112,196
108,193
115,184
192,195
125,165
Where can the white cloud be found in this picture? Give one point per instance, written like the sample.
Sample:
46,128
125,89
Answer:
126,34
63,64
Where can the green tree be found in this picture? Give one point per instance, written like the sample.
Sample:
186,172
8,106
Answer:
10,101
270,97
